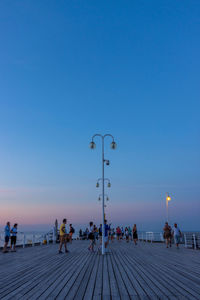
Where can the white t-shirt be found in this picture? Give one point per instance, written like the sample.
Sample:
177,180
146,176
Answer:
176,230
14,231
91,229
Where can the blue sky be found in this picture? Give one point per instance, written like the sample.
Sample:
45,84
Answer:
69,69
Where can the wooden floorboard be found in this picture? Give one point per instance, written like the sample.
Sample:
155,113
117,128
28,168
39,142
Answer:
147,271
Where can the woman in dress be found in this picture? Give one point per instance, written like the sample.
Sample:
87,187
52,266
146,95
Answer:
135,235
167,234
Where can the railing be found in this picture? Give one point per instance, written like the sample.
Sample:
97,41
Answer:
31,239
151,236
192,240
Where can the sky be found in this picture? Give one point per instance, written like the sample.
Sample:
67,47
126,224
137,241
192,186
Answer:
70,69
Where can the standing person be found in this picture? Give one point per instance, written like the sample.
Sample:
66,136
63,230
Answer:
95,234
167,233
127,234
130,232
135,235
176,234
170,236
100,233
87,233
91,237
63,236
7,237
13,238
71,232
80,234
112,234
106,231
118,231
122,233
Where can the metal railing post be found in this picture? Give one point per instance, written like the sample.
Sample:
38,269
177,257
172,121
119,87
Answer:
185,240
195,244
24,241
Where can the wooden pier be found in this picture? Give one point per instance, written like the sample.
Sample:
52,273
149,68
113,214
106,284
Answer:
146,271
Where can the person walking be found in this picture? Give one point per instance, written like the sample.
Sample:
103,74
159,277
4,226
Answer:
71,232
176,234
167,233
63,237
91,237
13,237
7,237
135,235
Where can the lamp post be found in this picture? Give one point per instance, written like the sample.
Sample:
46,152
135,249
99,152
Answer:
93,146
168,198
107,199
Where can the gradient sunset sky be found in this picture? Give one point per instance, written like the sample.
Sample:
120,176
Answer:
70,69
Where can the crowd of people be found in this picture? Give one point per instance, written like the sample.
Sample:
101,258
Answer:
119,233
94,233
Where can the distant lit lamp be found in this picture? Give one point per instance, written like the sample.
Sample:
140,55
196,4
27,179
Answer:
168,198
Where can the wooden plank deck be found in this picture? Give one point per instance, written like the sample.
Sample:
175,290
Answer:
146,271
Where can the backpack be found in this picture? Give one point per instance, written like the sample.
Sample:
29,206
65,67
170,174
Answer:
72,230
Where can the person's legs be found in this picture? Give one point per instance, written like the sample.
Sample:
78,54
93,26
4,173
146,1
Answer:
11,244
176,240
106,241
6,244
170,241
61,243
65,245
15,240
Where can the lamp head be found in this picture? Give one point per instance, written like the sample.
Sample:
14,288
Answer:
107,162
107,198
97,184
113,145
168,198
92,145
109,184
99,198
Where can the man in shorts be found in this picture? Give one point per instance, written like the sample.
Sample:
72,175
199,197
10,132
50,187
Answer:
13,238
176,234
7,237
63,237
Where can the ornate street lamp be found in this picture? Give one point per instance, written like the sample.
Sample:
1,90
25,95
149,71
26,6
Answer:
113,146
